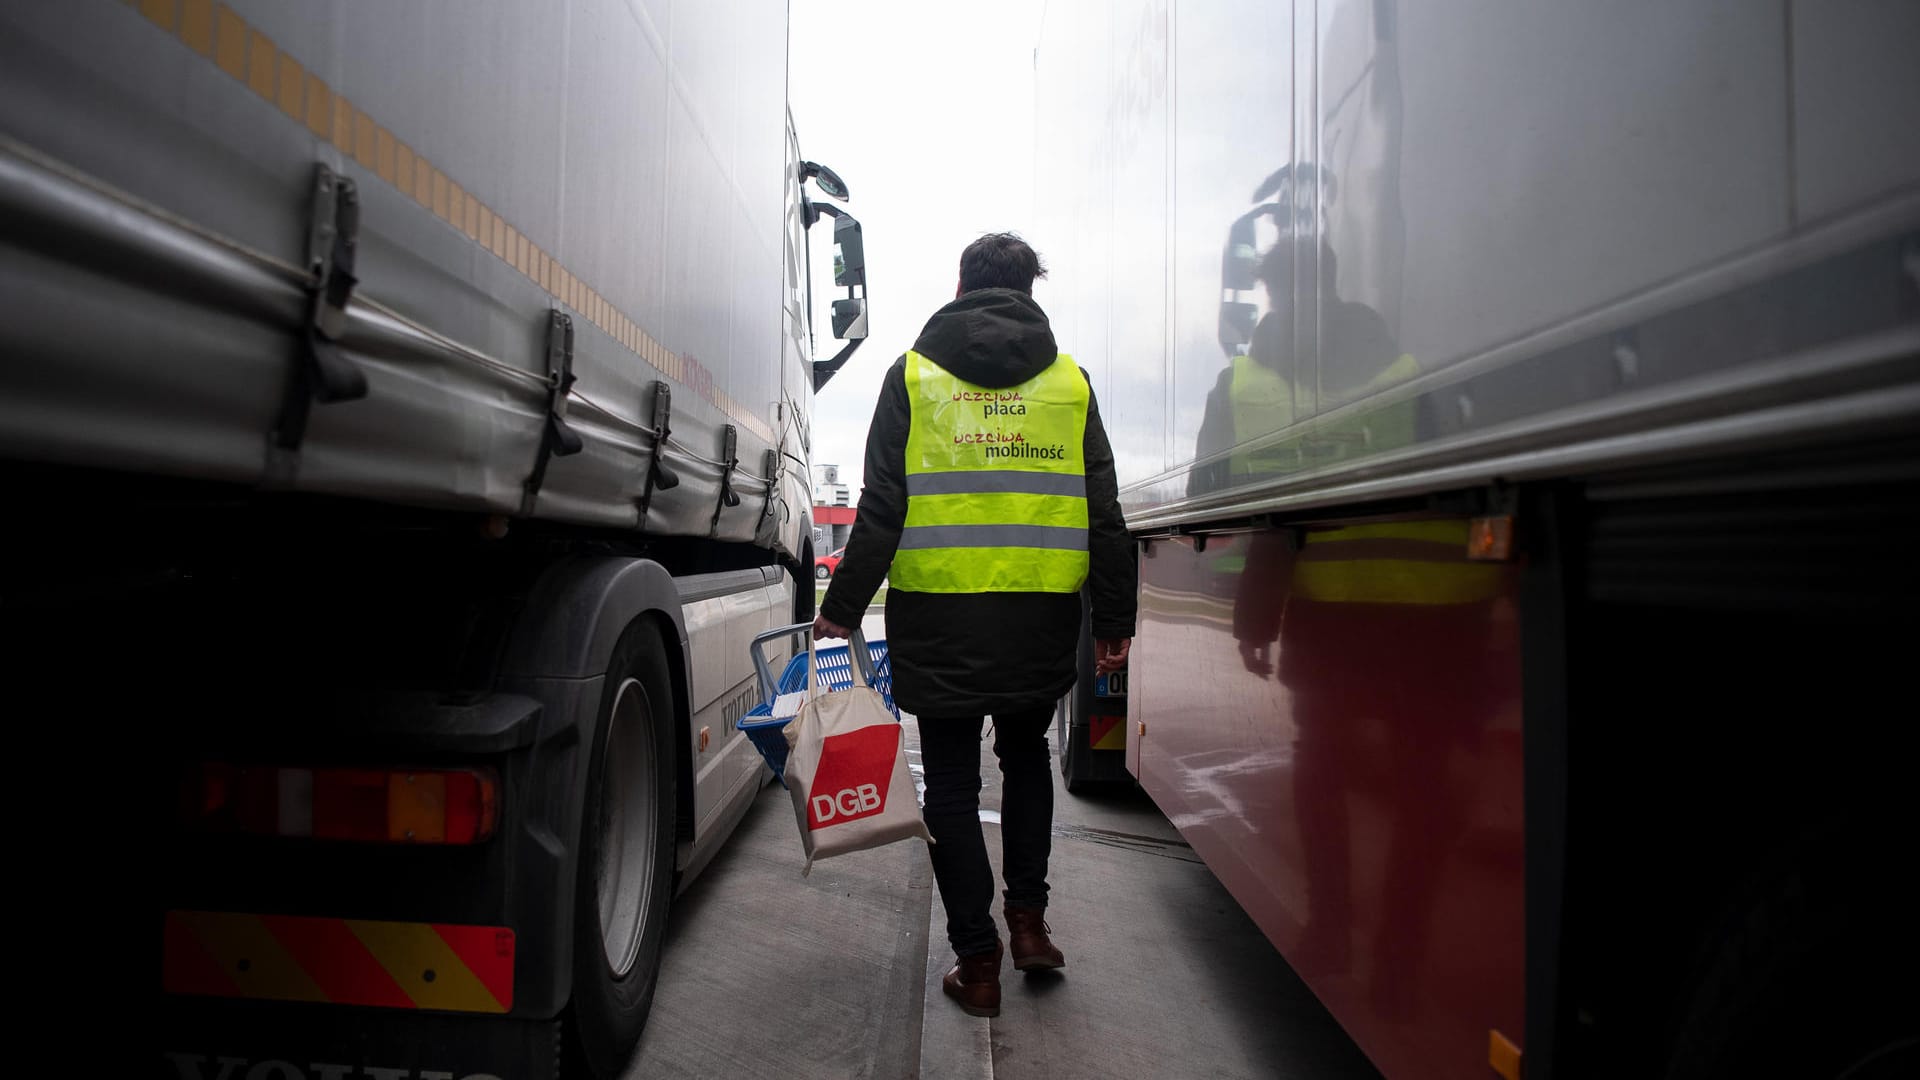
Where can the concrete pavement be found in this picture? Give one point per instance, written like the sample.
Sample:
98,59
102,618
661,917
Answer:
768,974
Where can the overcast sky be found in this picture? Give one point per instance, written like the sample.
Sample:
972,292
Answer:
926,111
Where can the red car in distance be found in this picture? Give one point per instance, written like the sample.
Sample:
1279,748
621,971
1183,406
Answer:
825,565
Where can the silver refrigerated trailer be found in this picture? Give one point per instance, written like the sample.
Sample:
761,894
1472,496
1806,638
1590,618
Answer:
454,361
1515,406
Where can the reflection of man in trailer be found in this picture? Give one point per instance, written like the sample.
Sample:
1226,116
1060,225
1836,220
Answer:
1383,629
1386,642
1277,373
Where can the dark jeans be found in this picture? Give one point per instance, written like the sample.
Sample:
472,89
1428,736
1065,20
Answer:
950,750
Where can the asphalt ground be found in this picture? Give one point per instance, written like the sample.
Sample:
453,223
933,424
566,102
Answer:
770,974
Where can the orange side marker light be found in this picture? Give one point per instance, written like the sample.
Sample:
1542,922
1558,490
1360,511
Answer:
1490,539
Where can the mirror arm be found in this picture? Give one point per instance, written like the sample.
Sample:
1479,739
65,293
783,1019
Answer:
807,217
827,369
824,370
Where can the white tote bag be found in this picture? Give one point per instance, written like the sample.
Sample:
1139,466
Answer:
847,769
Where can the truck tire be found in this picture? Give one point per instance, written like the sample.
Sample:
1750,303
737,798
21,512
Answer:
805,596
626,856
1073,767
1083,769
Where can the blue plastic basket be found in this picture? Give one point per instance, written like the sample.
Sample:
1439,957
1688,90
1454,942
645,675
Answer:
836,673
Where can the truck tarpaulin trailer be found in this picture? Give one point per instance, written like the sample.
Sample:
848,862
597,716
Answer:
405,414
1515,407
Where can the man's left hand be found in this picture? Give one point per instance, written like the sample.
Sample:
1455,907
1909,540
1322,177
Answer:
826,628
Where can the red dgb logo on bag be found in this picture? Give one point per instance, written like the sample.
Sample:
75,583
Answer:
855,771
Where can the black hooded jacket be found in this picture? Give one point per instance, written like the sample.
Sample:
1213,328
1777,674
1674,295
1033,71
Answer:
973,654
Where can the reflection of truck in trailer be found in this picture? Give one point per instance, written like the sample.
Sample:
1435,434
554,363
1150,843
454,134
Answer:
409,407
1525,499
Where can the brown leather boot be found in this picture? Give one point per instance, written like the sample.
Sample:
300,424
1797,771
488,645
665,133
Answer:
974,982
1027,931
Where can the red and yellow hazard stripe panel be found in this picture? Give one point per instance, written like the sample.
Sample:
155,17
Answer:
1107,732
396,965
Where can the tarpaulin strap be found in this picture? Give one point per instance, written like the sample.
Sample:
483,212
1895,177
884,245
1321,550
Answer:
772,469
730,454
659,477
323,373
557,439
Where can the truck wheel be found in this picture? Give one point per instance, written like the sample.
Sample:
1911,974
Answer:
626,856
1084,769
804,591
1073,771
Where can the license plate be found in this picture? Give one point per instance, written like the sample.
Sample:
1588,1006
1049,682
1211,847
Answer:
1112,685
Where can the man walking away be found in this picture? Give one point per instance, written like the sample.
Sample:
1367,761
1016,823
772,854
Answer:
990,501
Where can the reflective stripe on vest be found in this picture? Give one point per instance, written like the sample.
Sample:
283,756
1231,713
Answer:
996,483
1420,563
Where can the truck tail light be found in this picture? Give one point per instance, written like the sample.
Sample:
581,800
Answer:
380,806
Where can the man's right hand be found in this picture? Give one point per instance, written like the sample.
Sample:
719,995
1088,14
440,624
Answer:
1254,658
826,628
1110,654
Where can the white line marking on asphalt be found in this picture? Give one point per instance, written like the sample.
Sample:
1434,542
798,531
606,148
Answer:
953,1045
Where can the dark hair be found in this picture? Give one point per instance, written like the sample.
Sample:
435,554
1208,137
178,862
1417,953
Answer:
1276,267
1000,261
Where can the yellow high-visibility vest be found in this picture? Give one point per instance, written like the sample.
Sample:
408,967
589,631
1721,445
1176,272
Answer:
1418,563
1263,403
996,483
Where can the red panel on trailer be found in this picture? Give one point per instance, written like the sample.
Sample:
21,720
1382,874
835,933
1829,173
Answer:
1332,720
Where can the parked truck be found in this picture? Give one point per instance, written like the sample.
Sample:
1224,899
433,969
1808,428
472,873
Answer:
407,410
1515,407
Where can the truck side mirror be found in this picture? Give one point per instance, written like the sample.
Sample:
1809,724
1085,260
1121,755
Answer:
850,319
850,273
1239,267
828,181
1240,262
1237,320
849,255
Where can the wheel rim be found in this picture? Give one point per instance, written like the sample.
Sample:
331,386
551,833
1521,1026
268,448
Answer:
629,820
821,572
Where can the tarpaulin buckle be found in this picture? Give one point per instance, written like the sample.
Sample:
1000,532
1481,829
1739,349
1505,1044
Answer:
772,470
730,455
557,439
659,477
323,373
